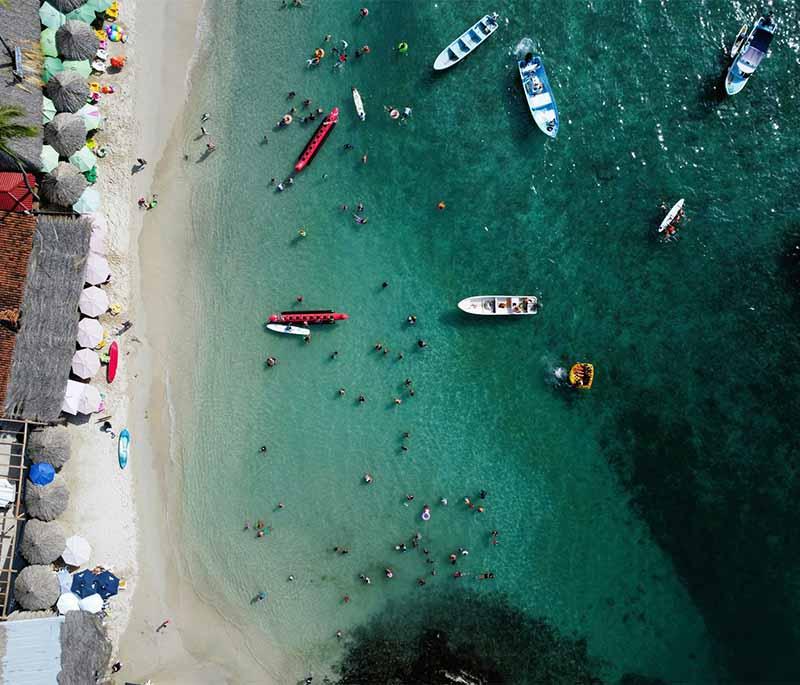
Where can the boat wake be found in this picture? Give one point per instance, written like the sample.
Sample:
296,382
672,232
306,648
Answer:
523,48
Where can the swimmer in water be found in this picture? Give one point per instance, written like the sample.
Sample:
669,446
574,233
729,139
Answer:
361,399
342,392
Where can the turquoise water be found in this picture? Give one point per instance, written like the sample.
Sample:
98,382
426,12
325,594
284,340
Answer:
649,516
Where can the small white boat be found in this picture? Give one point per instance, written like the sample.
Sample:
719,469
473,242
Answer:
359,104
500,305
288,328
671,216
739,39
466,42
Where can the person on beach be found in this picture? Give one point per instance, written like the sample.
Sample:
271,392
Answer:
116,667
206,116
164,624
141,162
204,130
210,147
142,203
260,597
153,203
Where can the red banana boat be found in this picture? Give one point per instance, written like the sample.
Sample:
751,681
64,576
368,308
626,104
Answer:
319,137
308,317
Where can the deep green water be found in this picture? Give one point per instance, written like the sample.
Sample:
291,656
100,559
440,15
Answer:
653,517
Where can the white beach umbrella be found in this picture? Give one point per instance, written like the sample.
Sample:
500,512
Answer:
98,221
90,401
68,601
97,241
97,269
7,493
64,580
77,551
93,301
90,332
92,603
85,363
72,398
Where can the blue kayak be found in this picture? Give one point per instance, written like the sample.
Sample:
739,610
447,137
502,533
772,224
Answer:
122,447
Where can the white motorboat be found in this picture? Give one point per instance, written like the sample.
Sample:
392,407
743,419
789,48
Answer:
672,215
466,43
500,305
288,328
359,103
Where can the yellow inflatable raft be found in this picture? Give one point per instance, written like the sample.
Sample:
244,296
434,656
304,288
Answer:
581,375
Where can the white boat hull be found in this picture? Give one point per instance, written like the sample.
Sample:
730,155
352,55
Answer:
467,42
500,305
359,105
288,329
676,208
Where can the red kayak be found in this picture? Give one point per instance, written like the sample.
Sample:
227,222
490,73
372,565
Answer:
308,317
113,360
319,137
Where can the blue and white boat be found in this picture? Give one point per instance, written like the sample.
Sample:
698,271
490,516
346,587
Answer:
466,43
539,94
750,54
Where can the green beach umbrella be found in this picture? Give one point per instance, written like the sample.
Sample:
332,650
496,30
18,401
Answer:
82,66
83,159
48,41
50,16
99,5
48,110
84,13
88,203
49,158
52,65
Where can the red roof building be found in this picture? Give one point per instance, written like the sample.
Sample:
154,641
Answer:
14,194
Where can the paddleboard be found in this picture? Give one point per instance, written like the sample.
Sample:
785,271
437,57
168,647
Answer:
113,360
677,207
288,328
737,44
122,447
359,104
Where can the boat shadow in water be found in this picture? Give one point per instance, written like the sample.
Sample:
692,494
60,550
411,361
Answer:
712,88
455,318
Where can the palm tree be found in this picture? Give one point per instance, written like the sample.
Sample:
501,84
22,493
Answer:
10,130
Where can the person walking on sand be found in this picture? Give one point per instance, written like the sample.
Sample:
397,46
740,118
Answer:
141,162
206,116
210,147
163,625
153,203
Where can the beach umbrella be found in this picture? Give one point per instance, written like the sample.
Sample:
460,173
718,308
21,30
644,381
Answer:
48,108
50,16
41,474
48,158
93,302
64,185
88,202
68,601
49,445
84,584
64,580
48,43
83,160
77,551
66,133
50,67
97,245
67,5
72,397
36,588
42,542
68,91
85,363
83,14
97,269
99,5
90,333
80,66
76,40
98,221
7,493
91,116
107,584
90,401
47,502
92,603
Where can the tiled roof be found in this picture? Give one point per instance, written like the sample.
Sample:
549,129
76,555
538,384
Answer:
16,240
14,194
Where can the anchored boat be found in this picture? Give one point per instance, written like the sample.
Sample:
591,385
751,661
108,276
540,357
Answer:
466,43
669,226
500,305
750,55
357,101
539,94
317,140
314,316
288,329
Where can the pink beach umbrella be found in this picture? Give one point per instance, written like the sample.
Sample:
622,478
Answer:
90,401
90,333
97,269
98,221
72,397
85,363
93,302
97,242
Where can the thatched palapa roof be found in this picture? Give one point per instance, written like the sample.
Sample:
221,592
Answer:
85,648
36,588
68,90
42,542
76,40
46,502
64,185
19,26
50,446
49,319
66,133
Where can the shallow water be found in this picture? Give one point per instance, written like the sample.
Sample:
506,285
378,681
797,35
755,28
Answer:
638,515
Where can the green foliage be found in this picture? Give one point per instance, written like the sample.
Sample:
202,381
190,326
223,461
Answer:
11,130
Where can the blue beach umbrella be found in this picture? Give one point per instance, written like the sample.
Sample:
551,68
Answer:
41,474
51,17
107,584
84,584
